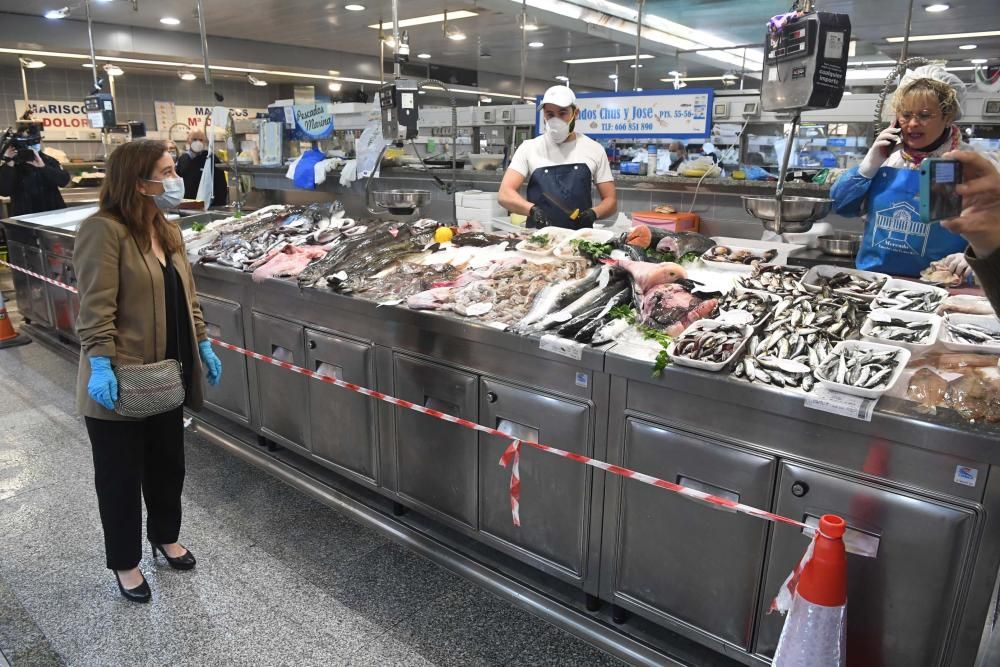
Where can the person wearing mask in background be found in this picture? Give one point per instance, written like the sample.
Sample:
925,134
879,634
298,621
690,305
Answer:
138,305
886,185
562,166
979,223
30,177
192,162
173,150
678,153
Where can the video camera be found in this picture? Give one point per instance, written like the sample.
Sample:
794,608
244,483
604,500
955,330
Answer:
22,139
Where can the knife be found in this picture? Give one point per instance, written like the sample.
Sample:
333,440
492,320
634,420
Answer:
561,205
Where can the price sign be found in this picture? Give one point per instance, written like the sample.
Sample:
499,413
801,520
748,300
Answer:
845,405
654,114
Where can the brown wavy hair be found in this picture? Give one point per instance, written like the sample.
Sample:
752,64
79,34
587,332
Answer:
120,198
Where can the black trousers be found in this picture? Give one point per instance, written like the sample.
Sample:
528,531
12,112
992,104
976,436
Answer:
133,458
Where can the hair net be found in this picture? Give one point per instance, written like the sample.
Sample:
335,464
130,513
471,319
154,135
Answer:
936,73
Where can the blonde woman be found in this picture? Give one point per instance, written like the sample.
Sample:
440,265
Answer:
886,185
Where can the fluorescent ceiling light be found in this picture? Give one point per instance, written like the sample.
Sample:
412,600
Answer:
56,14
959,69
979,61
939,7
254,81
847,92
28,63
951,35
485,99
869,63
724,77
169,20
187,76
536,45
354,8
335,86
423,56
562,78
613,77
422,20
632,66
454,33
607,59
967,47
531,27
114,70
620,18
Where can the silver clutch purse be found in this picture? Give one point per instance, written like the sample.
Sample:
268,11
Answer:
145,390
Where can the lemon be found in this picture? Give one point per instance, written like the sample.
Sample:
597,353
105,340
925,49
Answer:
443,234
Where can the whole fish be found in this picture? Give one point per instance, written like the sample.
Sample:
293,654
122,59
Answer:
610,331
549,297
597,295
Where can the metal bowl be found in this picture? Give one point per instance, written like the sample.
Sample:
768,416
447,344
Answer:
401,200
797,213
841,244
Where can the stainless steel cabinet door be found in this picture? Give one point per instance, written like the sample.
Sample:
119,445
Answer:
555,492
436,462
899,604
677,559
37,288
284,396
231,397
22,288
343,427
65,305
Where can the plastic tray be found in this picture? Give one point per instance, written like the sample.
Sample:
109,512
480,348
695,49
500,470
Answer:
731,266
903,359
808,281
558,234
565,251
707,365
986,321
916,349
897,283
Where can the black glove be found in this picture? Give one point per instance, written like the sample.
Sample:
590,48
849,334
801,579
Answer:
587,218
537,218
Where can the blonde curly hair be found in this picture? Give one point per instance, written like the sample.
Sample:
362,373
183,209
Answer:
945,96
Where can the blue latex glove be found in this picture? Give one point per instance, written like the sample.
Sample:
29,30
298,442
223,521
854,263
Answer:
213,367
103,385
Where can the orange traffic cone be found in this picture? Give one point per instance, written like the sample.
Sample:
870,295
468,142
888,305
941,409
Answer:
814,632
9,337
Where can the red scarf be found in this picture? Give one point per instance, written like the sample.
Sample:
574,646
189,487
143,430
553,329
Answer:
951,140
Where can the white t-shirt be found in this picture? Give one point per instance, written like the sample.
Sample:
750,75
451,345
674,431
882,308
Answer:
542,152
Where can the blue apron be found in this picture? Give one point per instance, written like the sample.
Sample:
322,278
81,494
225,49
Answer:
569,184
895,240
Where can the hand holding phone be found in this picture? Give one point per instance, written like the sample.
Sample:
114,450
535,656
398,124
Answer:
880,150
939,199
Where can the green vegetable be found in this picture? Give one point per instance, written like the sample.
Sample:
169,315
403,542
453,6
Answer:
539,239
662,359
595,251
660,257
690,257
197,226
623,312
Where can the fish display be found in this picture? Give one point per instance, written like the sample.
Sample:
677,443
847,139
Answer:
849,283
964,332
780,280
860,367
757,305
967,304
887,327
913,300
928,389
659,240
672,308
714,345
726,255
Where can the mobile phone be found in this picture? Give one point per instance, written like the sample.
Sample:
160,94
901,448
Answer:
938,199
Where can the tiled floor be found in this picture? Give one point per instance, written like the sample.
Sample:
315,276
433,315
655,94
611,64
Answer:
281,579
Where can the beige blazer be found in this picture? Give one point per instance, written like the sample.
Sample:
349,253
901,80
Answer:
123,307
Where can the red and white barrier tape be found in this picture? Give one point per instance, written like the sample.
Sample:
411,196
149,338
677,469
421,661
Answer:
512,455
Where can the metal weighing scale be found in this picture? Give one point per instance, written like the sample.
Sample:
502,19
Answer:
805,68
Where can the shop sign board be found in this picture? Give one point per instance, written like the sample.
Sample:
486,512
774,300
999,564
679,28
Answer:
313,121
61,119
652,114
195,116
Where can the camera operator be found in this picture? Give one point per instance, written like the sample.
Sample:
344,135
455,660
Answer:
29,177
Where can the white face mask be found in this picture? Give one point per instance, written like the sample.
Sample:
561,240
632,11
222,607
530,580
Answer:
197,146
172,195
557,129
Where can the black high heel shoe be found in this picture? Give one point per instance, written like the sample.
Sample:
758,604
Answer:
140,593
185,562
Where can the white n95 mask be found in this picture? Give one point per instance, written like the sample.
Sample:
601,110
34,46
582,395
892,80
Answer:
557,130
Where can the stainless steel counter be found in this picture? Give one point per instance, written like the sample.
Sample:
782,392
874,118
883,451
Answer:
646,566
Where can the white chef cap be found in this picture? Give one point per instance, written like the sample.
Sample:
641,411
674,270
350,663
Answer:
934,73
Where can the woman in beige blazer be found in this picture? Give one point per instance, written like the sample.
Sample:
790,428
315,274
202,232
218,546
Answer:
138,306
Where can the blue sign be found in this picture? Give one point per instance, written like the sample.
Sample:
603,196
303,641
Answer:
837,141
313,121
651,114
